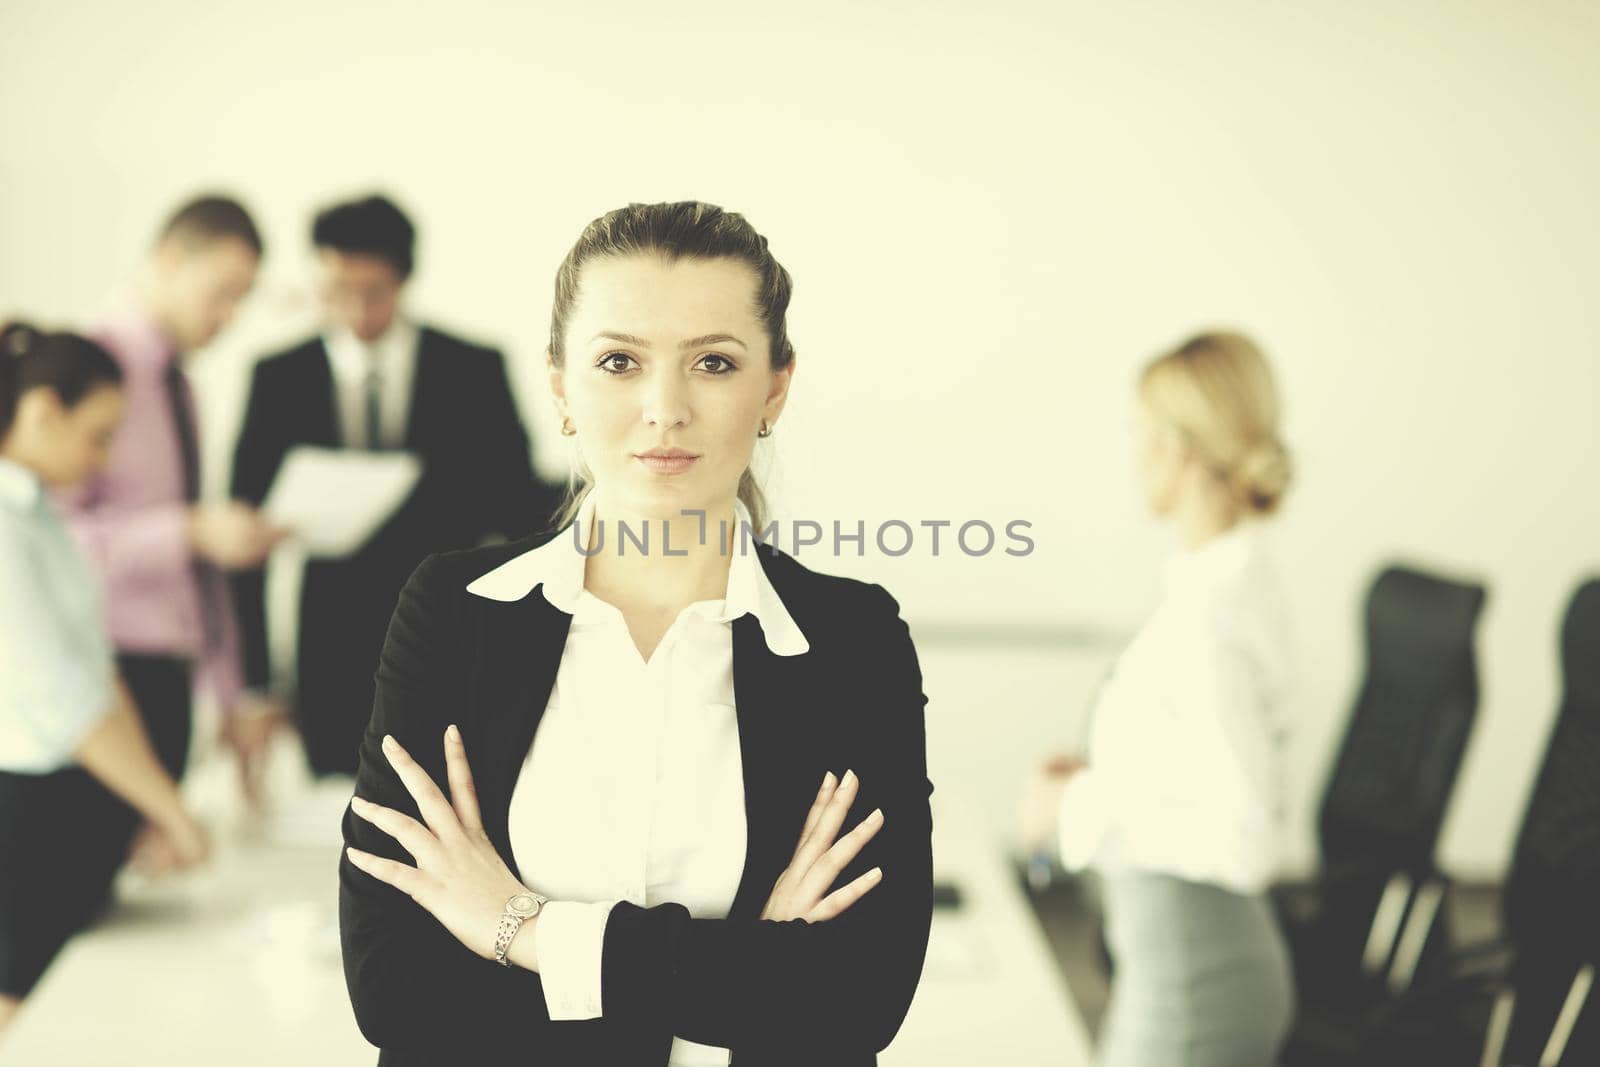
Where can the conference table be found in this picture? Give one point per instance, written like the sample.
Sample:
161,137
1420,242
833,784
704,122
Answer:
239,963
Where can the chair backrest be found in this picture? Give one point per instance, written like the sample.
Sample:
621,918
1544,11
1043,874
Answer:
1386,797
1552,898
1552,903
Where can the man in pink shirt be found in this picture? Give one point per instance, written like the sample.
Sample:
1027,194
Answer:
159,552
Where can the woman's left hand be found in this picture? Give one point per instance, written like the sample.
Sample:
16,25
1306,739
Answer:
459,877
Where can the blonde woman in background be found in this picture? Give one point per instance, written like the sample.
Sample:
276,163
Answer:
1177,805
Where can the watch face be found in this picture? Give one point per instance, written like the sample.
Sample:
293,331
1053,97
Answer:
523,904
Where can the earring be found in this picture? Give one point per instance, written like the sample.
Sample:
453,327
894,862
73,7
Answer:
765,431
567,429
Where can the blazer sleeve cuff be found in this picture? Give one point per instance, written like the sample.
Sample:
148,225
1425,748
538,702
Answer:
571,937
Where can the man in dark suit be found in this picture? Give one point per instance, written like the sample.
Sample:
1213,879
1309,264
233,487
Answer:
375,379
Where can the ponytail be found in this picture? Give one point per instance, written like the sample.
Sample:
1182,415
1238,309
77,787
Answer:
15,341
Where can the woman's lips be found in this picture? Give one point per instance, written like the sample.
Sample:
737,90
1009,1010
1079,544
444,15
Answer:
667,464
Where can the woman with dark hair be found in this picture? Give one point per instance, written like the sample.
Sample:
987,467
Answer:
588,825
71,741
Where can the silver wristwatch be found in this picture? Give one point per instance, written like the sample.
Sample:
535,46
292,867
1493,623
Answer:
519,909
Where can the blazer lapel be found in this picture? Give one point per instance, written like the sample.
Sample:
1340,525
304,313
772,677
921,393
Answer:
423,390
518,653
326,427
769,702
519,650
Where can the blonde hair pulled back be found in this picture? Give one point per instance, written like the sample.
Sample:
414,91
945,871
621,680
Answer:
1216,390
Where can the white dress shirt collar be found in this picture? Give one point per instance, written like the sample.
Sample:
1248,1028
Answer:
558,568
352,357
1215,559
20,488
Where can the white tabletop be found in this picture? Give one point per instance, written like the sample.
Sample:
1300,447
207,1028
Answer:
989,983
243,959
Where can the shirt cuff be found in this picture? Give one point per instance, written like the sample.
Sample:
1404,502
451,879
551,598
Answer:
1084,817
570,938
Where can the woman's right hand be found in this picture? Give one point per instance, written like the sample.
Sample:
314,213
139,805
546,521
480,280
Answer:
160,849
818,858
185,840
189,840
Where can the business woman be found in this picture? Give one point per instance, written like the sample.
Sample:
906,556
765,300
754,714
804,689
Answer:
1178,806
647,791
74,753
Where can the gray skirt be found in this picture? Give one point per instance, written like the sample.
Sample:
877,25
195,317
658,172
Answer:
1202,975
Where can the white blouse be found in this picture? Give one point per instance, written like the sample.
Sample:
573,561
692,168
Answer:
633,788
57,667
1185,745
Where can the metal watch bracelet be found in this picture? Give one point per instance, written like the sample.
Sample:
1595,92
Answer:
519,909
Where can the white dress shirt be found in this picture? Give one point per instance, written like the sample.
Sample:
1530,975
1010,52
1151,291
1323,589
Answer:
633,788
56,663
394,355
1185,744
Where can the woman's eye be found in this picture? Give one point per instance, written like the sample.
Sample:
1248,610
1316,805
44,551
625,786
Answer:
608,365
718,364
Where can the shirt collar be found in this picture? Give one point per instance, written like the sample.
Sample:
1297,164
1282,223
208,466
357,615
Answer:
1215,558
20,488
134,336
352,358
557,567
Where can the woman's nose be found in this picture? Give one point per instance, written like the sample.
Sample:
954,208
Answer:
666,401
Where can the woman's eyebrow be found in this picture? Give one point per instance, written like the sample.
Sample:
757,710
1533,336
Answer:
625,338
693,342
712,339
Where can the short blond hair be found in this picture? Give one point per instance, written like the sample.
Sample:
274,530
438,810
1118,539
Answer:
1217,391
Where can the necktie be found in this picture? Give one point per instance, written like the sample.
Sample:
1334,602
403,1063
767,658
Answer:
189,446
183,421
374,408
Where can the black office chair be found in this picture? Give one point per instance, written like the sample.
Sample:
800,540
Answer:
1532,998
1373,921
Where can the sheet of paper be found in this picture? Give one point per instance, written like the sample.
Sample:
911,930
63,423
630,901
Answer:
335,499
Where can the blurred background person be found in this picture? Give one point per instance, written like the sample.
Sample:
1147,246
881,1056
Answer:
71,741
158,550
376,378
1179,804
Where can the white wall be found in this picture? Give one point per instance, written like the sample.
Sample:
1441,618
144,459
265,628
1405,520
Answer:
994,213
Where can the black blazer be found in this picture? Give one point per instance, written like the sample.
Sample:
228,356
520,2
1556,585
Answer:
477,479
774,993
